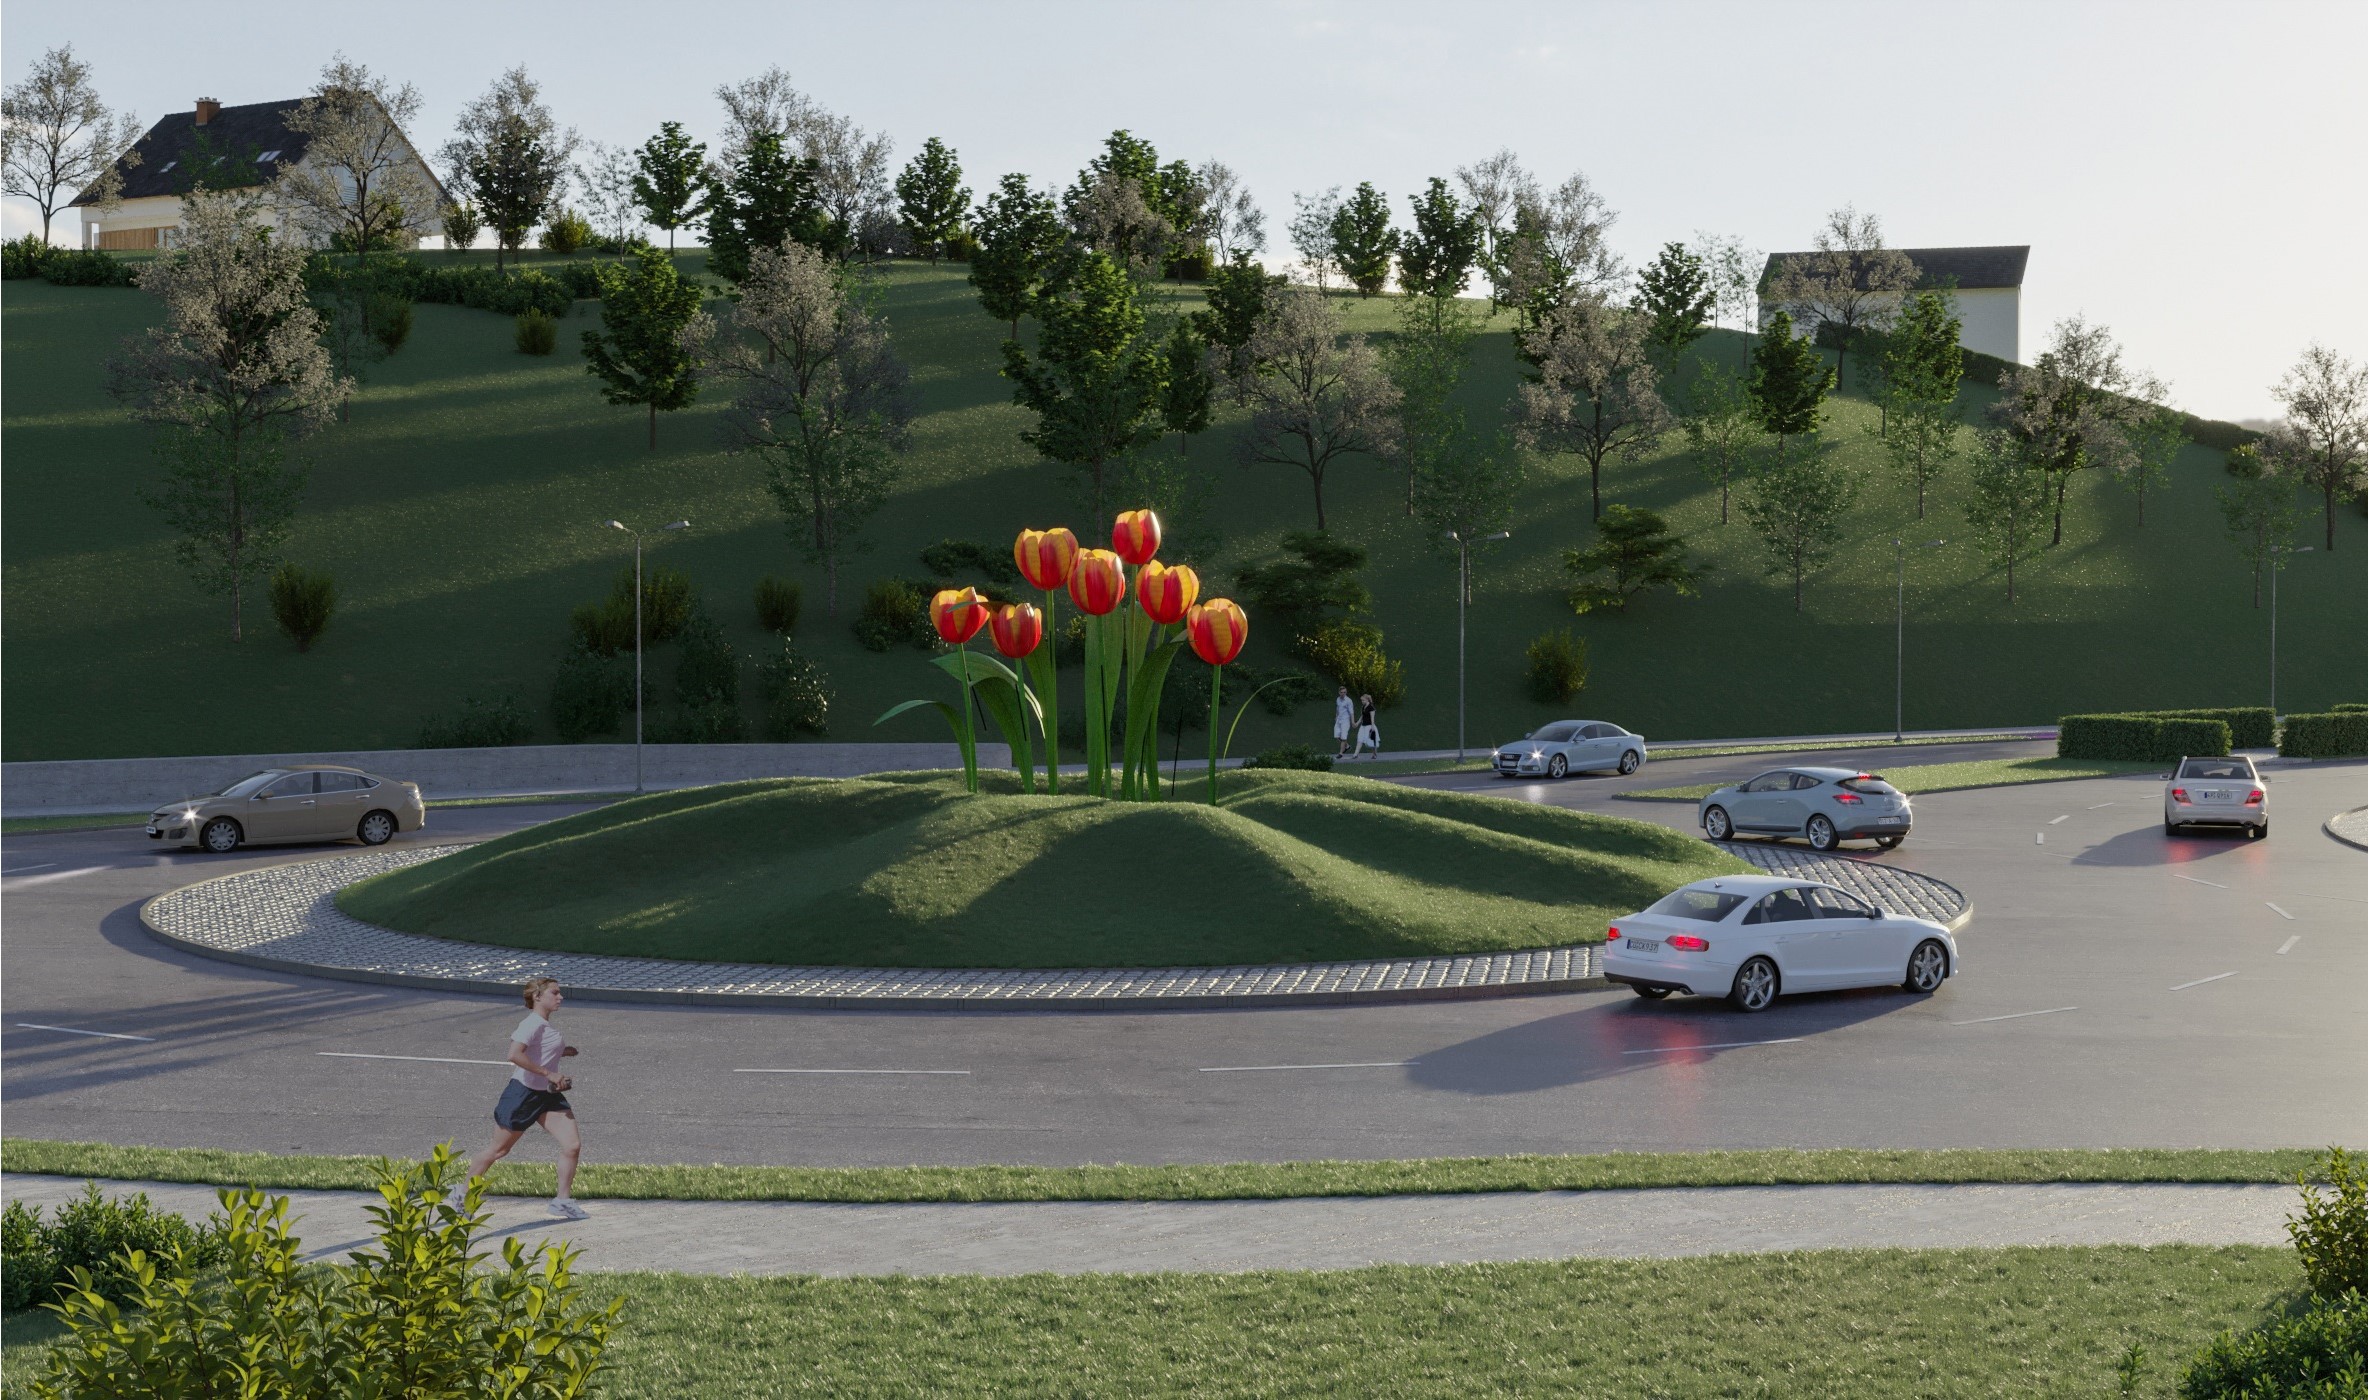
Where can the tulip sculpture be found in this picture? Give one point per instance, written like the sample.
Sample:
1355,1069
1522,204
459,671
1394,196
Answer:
958,614
1046,559
1217,628
1018,632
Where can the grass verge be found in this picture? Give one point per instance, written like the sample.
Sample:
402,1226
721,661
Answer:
2024,1321
1227,1181
1947,777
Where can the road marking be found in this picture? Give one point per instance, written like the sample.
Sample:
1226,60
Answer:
62,875
850,1071
2288,946
29,869
2064,818
2183,986
2100,806
420,1059
2190,879
2279,912
69,1030
2038,838
2013,1016
1721,1045
1362,1064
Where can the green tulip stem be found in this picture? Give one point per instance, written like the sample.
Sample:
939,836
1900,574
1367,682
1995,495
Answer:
1050,723
1216,688
969,726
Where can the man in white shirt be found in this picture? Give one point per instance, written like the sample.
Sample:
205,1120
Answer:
1344,721
536,1093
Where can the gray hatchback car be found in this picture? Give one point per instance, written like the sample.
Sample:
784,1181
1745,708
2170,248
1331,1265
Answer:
1826,805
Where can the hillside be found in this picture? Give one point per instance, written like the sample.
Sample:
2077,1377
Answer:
459,508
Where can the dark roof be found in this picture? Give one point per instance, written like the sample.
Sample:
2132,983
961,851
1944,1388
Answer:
1968,269
240,133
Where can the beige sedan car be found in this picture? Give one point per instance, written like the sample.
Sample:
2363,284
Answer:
302,802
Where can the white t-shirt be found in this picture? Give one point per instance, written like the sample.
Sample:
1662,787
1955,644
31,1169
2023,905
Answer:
543,1046
1344,713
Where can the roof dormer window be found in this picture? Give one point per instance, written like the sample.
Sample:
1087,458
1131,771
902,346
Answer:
267,155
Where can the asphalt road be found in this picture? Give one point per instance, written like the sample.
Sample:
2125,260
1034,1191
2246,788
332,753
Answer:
2120,989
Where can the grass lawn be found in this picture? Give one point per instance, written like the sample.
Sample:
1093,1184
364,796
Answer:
1227,1181
908,871
1945,777
458,512
1885,1323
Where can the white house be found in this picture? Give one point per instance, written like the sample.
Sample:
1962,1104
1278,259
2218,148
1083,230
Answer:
1986,282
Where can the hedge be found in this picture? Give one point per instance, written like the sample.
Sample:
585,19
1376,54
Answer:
2348,707
2249,726
2204,432
2341,734
2140,738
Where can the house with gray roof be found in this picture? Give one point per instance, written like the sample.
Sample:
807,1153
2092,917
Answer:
1986,282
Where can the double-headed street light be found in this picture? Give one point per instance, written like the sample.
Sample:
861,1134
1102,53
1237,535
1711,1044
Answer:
1463,596
2274,567
1899,623
637,539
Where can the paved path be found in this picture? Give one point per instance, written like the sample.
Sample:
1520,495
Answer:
1081,1237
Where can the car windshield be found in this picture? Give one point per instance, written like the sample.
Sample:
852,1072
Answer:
1555,733
246,786
2231,769
1868,783
1705,906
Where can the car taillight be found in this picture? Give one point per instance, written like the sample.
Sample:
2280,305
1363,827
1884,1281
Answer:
2253,798
1688,942
2178,794
1612,932
1849,797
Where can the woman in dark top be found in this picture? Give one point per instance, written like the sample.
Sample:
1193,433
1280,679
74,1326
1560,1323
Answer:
1368,726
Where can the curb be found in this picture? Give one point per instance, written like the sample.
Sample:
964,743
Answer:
2331,829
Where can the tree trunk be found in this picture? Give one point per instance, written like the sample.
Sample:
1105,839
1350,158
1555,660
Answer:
830,584
653,425
1796,585
2063,479
1316,475
2330,493
1722,499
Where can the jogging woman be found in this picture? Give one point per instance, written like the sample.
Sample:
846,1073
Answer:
536,1093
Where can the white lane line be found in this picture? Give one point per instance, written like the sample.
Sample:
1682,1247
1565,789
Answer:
2279,912
2190,879
2038,838
2288,946
2059,820
2183,986
418,1059
59,875
1361,1064
2100,806
2013,1016
29,869
850,1071
69,1030
1721,1045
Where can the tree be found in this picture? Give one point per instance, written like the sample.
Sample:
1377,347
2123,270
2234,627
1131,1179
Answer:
1734,278
1019,237
1234,222
1495,188
1311,234
1676,294
1124,205
850,171
2155,437
670,181
610,176
508,136
2006,502
1363,241
1097,382
1467,487
770,198
1796,504
1594,393
2261,514
2325,441
2072,410
1185,403
360,185
1427,359
1850,281
1922,367
643,357
59,139
232,383
1637,551
1317,588
931,200
1238,295
1316,397
1788,382
1723,428
1557,248
461,224
1435,259
819,395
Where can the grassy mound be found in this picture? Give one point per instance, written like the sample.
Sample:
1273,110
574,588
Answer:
908,871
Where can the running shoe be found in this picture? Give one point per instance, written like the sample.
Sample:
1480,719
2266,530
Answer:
568,1210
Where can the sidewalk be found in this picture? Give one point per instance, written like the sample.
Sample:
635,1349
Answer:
1077,1237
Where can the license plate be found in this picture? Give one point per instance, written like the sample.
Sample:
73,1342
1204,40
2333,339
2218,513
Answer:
1644,945
1893,821
152,831
2211,794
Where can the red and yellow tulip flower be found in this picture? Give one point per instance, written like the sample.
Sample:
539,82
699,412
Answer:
957,614
1217,629
1166,591
1134,536
1098,584
1018,629
1045,557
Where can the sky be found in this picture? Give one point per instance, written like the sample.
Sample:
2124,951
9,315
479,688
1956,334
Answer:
2186,174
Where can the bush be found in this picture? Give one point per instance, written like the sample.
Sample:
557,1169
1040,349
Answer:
797,697
1280,691
481,724
390,320
537,332
778,602
962,247
22,257
1189,267
1294,756
462,224
301,602
2318,1354
2331,1234
962,561
2340,734
604,628
87,268
2249,726
91,1233
700,724
1301,595
1350,653
1557,667
895,613
567,233
2140,738
709,671
590,694
2348,708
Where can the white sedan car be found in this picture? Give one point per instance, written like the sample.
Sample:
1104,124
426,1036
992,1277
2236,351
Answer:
1752,938
1570,746
2216,792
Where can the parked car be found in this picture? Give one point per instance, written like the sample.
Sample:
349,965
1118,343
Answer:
1570,746
2216,792
1753,938
301,802
1827,805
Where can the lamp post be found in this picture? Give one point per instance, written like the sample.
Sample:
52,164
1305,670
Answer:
1463,596
1899,623
637,538
2274,568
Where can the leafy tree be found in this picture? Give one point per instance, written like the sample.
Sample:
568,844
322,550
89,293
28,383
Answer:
1316,587
1676,294
1363,241
1020,237
1796,503
931,200
608,174
670,181
1125,206
1850,282
1311,234
1435,259
1239,293
232,382
1234,222
2261,514
1557,250
1922,366
461,223
1734,272
642,357
770,197
2325,440
2072,410
59,139
1427,360
1594,393
1097,382
1186,403
1467,488
360,185
1723,428
1495,188
2155,438
1788,382
1317,398
1633,551
509,136
2006,502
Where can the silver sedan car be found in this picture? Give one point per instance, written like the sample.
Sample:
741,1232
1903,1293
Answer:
1826,805
2216,792
301,802
1570,746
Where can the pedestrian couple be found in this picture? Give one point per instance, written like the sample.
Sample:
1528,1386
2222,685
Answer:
536,1093
1355,718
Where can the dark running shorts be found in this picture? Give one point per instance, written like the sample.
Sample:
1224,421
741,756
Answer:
521,1108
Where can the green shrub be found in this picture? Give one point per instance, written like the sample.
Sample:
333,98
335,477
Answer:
390,320
2249,726
2331,1234
90,1233
604,628
2319,1354
708,673
713,723
895,613
665,601
461,224
797,697
302,602
1279,691
2140,738
2348,708
963,561
567,233
585,281
22,257
1557,667
1189,267
1299,756
480,724
1350,653
962,247
87,268
2243,461
590,694
537,332
778,602
2339,734
1298,596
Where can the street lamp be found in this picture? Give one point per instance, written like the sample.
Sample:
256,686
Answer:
2274,567
1463,596
1899,623
637,538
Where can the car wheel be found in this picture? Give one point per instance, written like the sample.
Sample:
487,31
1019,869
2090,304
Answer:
1715,824
1755,986
1650,993
2170,828
1889,843
1822,836
2259,831
1928,967
1630,761
221,836
1557,767
376,829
